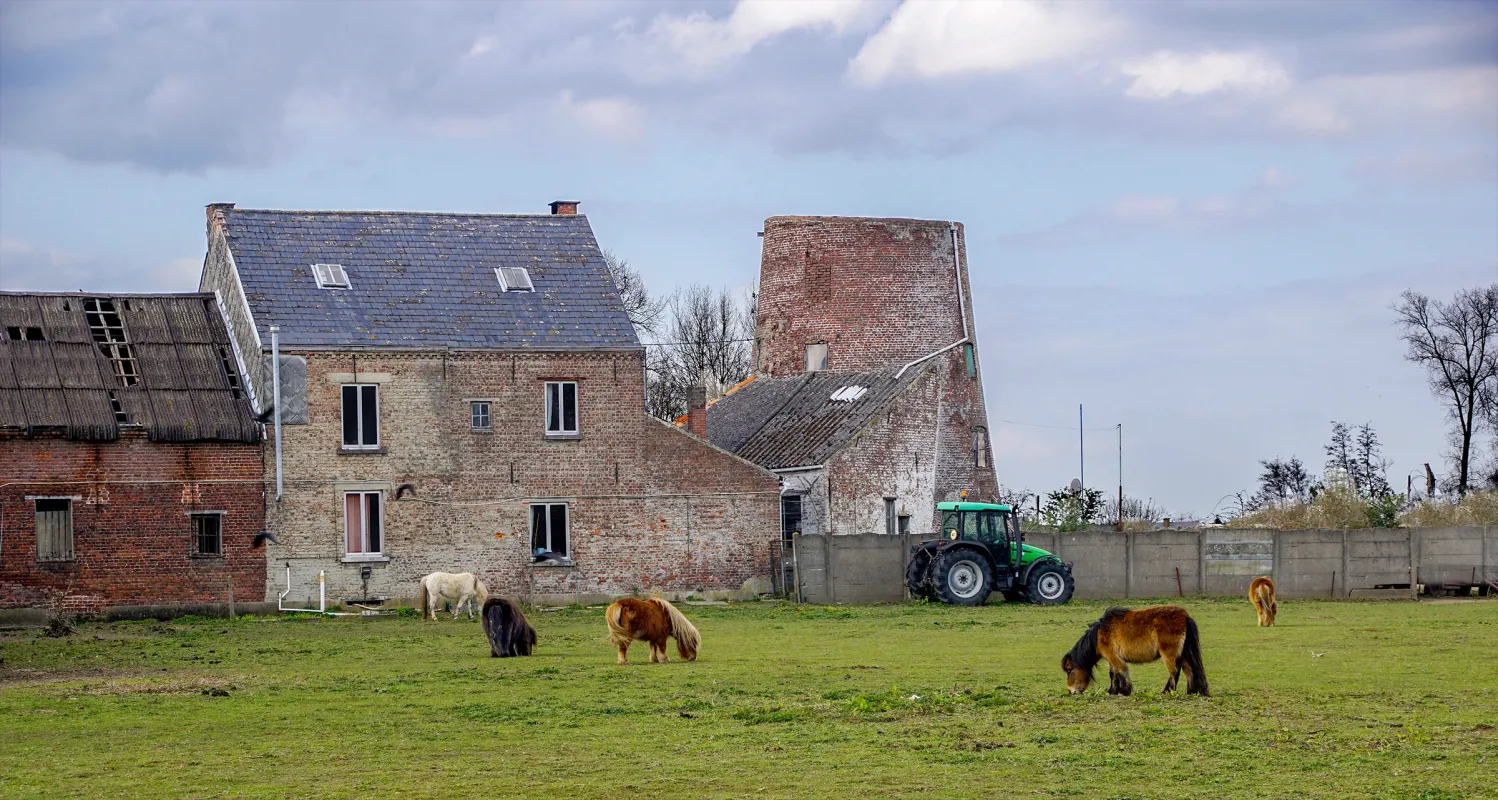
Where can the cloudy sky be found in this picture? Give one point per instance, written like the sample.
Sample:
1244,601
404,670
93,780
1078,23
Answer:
1190,217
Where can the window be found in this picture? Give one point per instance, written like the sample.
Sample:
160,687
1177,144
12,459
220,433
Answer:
980,447
849,394
20,334
790,515
362,523
514,279
330,276
904,525
561,408
816,357
479,412
208,534
889,515
548,529
361,416
972,364
120,417
108,332
54,529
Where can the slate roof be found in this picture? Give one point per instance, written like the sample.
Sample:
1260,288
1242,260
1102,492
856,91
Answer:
794,422
65,383
421,280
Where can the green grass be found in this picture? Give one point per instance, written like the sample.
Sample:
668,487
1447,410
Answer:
785,701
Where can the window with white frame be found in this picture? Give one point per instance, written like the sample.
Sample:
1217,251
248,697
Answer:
478,412
561,408
548,530
208,534
361,416
514,279
363,523
330,276
54,529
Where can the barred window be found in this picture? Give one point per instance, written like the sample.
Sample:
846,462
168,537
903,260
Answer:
208,534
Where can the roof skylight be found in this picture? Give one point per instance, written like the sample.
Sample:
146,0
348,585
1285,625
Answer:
330,276
848,394
514,279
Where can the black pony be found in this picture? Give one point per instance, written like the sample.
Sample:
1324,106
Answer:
509,634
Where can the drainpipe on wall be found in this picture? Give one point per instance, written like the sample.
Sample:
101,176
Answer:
275,358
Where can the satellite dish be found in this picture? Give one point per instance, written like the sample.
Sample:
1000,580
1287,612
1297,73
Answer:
1076,486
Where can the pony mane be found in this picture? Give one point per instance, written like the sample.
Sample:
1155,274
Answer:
685,633
1084,653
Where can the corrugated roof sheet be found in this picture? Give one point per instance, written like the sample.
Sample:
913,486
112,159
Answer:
65,382
426,280
794,422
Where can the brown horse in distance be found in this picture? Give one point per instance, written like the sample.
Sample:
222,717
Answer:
1125,637
1261,594
652,621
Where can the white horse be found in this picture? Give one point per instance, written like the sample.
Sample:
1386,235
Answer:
464,587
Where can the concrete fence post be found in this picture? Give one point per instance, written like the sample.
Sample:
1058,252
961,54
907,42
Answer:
1201,563
1129,564
1275,557
1414,565
1487,558
1347,585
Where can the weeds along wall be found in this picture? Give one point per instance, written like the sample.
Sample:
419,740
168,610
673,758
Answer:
1348,564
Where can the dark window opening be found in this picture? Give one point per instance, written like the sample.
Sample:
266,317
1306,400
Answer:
903,525
889,516
362,523
548,531
54,529
790,515
108,331
17,333
561,408
231,372
479,414
361,416
208,534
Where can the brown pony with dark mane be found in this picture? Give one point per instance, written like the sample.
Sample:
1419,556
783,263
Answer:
509,634
1125,637
1261,594
652,621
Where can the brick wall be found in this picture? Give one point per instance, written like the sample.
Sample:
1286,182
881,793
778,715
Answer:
880,293
132,537
651,507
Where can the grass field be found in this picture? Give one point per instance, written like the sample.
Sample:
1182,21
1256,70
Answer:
1388,700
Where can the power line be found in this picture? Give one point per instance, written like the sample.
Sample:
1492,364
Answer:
1052,427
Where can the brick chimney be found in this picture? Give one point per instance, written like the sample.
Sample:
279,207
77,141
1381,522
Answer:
216,213
697,411
564,208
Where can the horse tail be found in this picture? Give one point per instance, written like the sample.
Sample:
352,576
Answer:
686,635
617,633
1191,654
422,598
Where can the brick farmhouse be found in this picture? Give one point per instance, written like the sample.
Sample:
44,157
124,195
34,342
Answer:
464,392
867,393
130,465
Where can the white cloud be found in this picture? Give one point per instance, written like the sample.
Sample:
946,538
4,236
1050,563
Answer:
615,118
940,38
1164,74
1419,167
704,41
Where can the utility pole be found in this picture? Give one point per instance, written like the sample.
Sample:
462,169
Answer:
1120,476
1081,453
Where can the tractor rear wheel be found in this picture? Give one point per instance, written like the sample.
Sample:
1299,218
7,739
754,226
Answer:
917,575
962,577
1049,585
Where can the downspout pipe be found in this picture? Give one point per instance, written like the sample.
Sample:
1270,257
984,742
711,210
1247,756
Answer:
275,371
961,304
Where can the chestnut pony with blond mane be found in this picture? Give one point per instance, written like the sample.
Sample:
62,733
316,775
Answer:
1261,594
651,621
1126,637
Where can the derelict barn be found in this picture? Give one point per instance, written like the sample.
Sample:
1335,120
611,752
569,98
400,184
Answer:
130,467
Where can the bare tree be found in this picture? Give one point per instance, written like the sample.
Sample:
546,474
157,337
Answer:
1283,482
1457,343
644,311
707,344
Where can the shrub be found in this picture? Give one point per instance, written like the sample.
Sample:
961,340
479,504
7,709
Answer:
1477,508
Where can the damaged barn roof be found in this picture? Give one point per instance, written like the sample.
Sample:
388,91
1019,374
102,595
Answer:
86,364
780,423
426,279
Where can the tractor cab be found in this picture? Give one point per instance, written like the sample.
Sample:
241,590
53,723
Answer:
981,549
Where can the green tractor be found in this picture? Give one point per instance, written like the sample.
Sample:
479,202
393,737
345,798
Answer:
981,549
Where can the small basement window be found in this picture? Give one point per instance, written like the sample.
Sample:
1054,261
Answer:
514,279
330,276
479,414
208,534
548,530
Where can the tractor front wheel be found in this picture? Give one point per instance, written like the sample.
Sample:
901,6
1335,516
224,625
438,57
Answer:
962,578
1049,585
